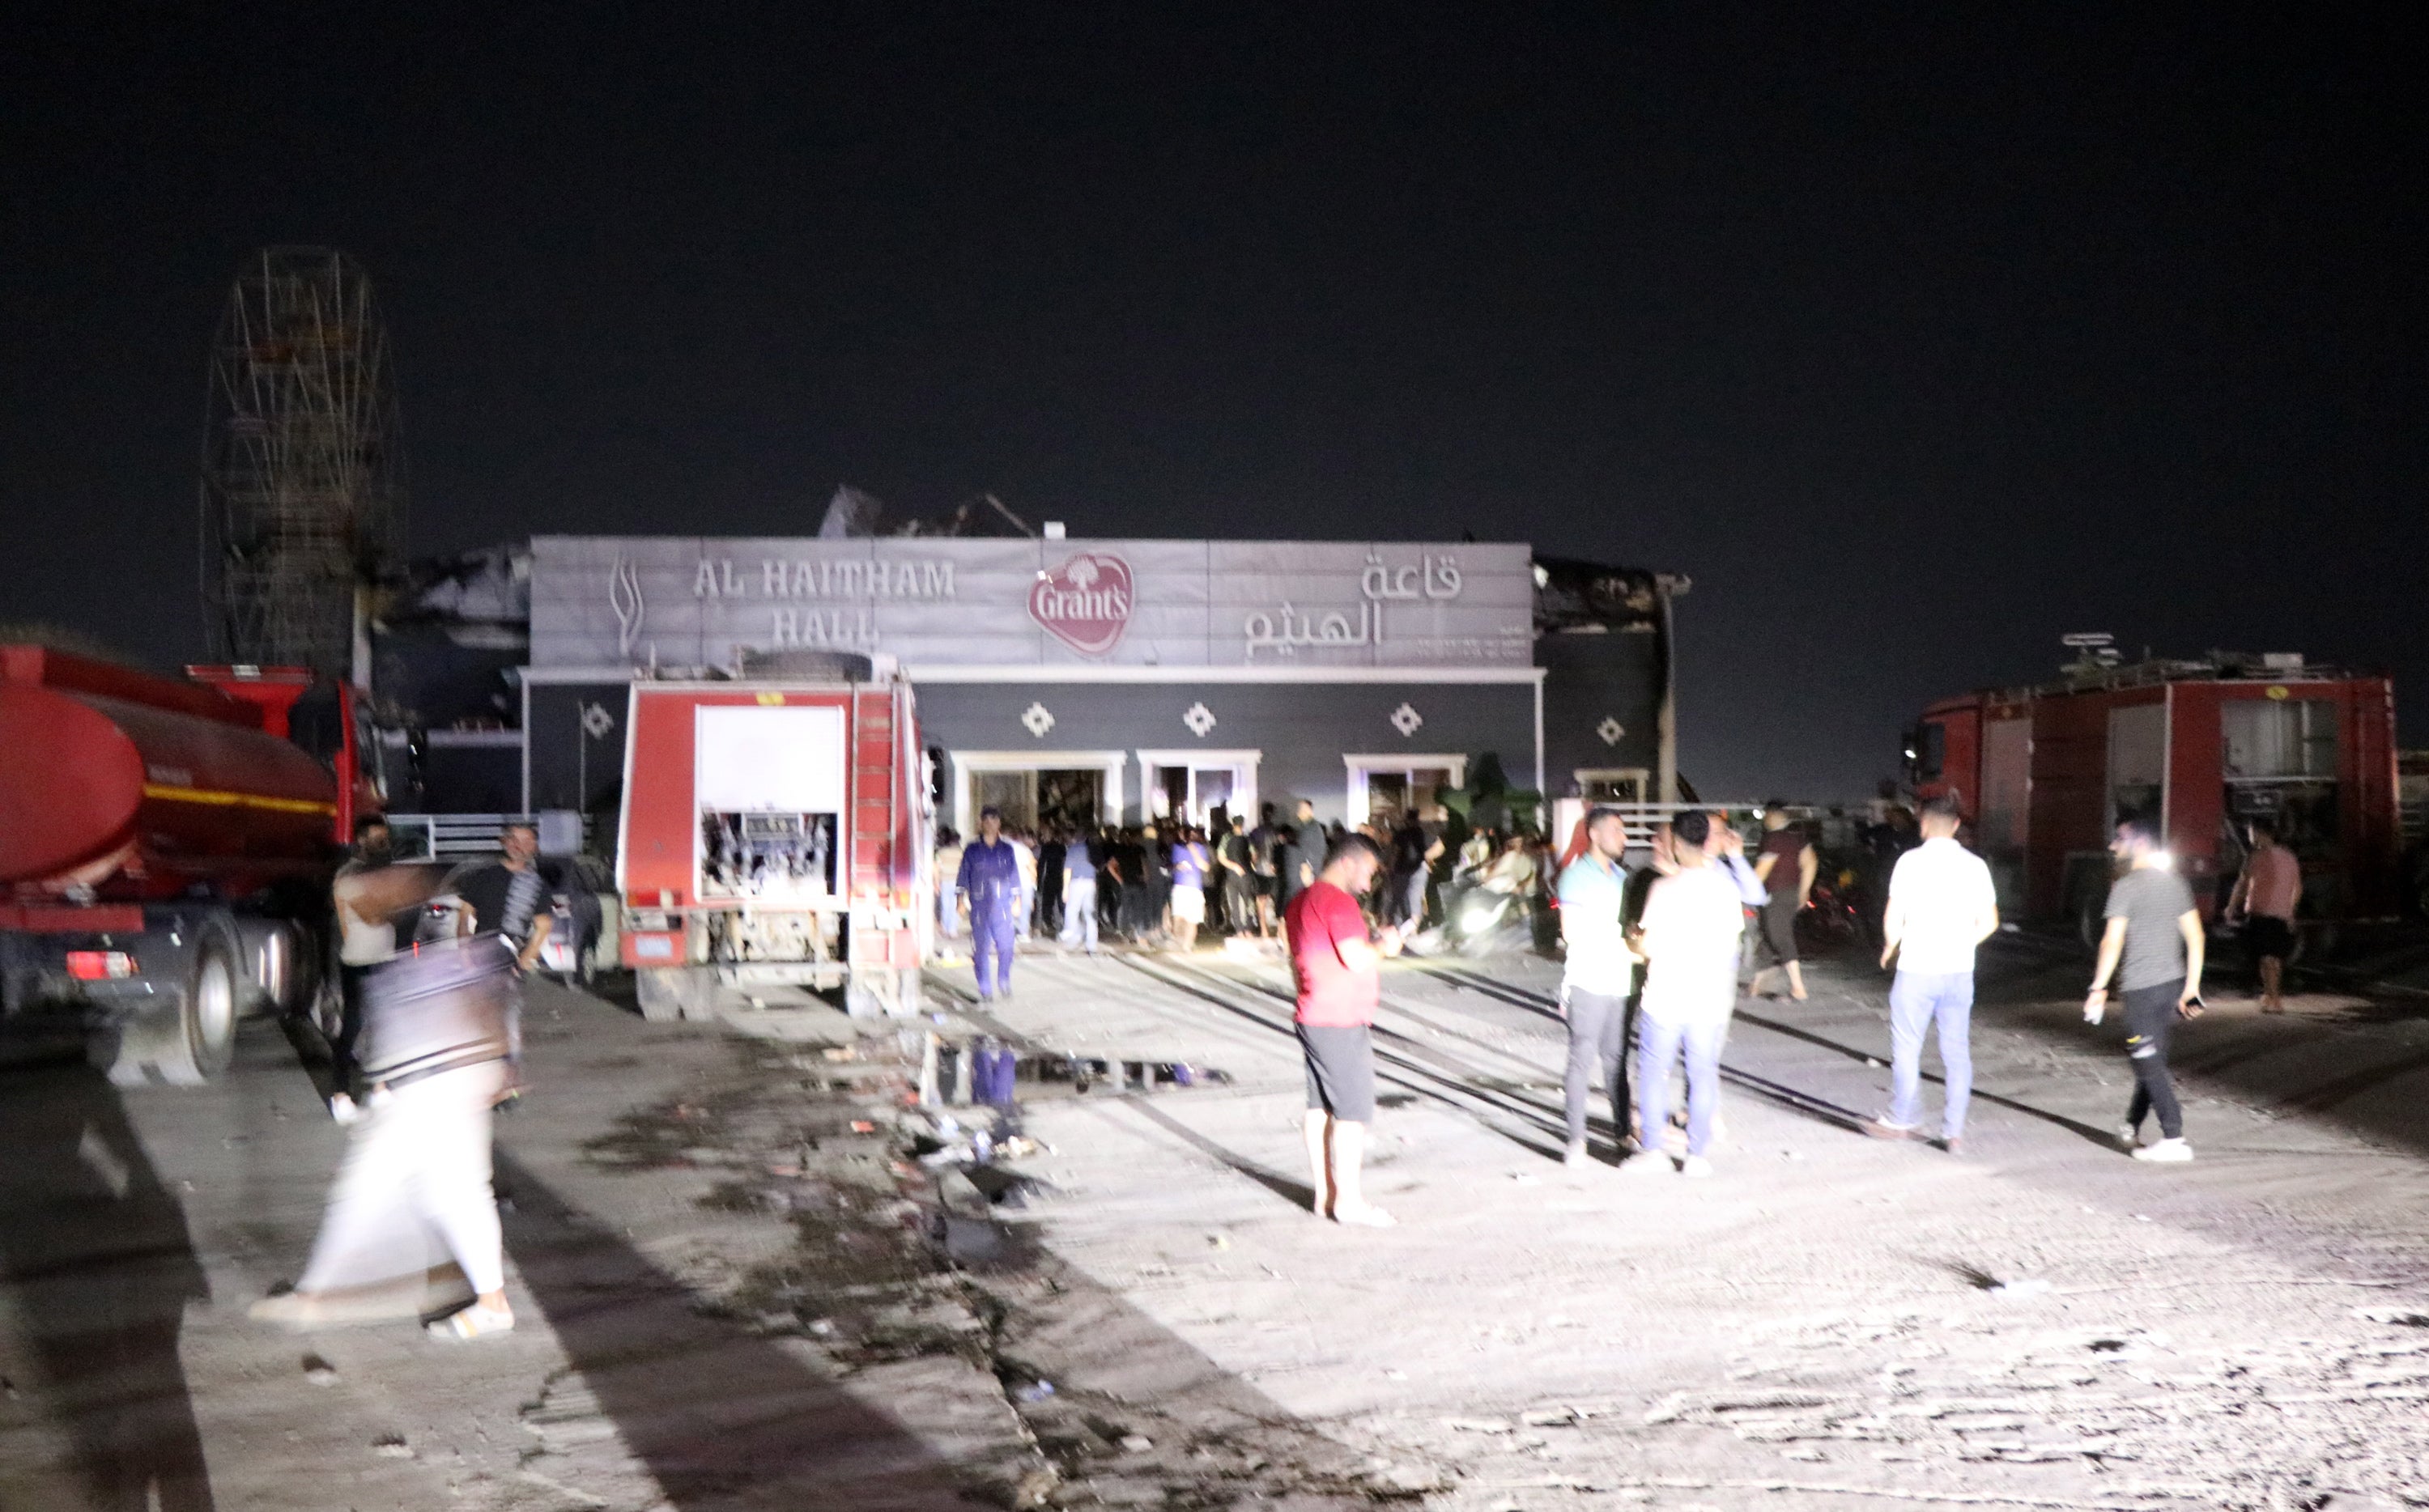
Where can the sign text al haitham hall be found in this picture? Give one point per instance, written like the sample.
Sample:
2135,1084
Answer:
608,601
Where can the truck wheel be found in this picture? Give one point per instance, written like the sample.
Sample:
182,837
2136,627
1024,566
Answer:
186,1044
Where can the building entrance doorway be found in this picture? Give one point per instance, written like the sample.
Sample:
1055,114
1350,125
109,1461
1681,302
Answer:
1194,786
1035,789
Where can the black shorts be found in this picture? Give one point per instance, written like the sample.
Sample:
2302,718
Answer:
1340,1070
2265,935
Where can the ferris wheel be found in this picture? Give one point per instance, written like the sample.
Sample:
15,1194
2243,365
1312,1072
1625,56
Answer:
303,497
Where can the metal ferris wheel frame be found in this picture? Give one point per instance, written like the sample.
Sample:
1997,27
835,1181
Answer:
302,490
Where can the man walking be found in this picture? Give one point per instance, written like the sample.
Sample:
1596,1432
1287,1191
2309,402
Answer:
366,938
1078,894
2264,898
508,897
2155,935
1688,938
1941,906
1787,865
1238,875
990,887
1595,981
1339,971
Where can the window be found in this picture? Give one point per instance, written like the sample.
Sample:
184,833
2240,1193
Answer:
2272,739
1385,787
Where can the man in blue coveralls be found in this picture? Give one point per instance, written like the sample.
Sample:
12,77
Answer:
990,888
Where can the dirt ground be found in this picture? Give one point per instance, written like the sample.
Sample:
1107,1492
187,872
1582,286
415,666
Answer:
749,1276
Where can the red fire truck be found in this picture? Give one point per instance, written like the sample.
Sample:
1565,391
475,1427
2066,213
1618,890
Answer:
2044,773
775,832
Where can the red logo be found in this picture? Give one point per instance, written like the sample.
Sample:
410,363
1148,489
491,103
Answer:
1085,601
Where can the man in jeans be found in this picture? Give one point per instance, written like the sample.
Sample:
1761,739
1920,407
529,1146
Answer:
1597,976
1942,905
2154,936
1688,937
1079,895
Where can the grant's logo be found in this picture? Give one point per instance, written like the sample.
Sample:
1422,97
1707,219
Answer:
1085,601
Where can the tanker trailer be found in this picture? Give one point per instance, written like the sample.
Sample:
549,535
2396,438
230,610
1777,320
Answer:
165,853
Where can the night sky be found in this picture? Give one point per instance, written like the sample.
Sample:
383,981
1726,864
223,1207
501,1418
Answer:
1916,342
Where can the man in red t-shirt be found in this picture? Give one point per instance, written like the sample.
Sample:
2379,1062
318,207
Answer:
1339,967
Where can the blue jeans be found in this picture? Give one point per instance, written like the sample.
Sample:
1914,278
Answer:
1080,912
1918,1000
1657,1049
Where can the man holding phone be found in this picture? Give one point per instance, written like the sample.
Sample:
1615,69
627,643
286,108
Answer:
2154,934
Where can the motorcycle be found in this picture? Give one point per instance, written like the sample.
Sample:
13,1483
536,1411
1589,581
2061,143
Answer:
1477,921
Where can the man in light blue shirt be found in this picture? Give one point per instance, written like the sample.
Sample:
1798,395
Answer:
1599,974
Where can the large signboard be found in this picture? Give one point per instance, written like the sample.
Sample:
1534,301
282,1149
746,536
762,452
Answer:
685,601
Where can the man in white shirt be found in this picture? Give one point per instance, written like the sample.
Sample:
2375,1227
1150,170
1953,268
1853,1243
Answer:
1597,975
1942,905
1688,936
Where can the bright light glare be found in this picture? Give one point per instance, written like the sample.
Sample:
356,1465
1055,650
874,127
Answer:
2164,860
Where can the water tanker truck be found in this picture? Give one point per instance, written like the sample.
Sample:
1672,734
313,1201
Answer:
166,847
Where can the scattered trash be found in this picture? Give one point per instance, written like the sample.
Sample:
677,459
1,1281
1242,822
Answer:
1136,1444
2028,1287
840,1052
319,1371
1550,1418
1870,1061
821,1328
1034,1392
1220,1242
1478,1425
1034,1489
2401,1317
392,1446
862,1125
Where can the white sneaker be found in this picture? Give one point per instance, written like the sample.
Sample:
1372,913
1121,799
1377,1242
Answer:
2128,1135
1695,1167
2171,1152
342,1110
1574,1156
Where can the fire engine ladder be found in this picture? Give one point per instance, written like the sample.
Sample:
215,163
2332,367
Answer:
876,792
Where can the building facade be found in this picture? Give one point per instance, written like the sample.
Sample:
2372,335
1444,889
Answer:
1066,680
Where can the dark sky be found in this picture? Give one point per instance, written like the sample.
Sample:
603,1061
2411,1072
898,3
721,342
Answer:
1916,341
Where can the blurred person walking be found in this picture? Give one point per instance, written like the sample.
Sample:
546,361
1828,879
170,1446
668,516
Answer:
1940,906
1338,968
1787,865
1190,863
1597,979
1080,917
989,882
1265,845
1688,937
1024,854
2153,946
366,938
1238,875
438,1038
2266,894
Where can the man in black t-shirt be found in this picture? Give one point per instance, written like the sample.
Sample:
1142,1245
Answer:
508,895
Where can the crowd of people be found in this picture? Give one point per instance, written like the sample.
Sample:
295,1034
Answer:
1654,957
1169,883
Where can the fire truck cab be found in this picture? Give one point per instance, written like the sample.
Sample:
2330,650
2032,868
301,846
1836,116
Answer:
2045,773
775,832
